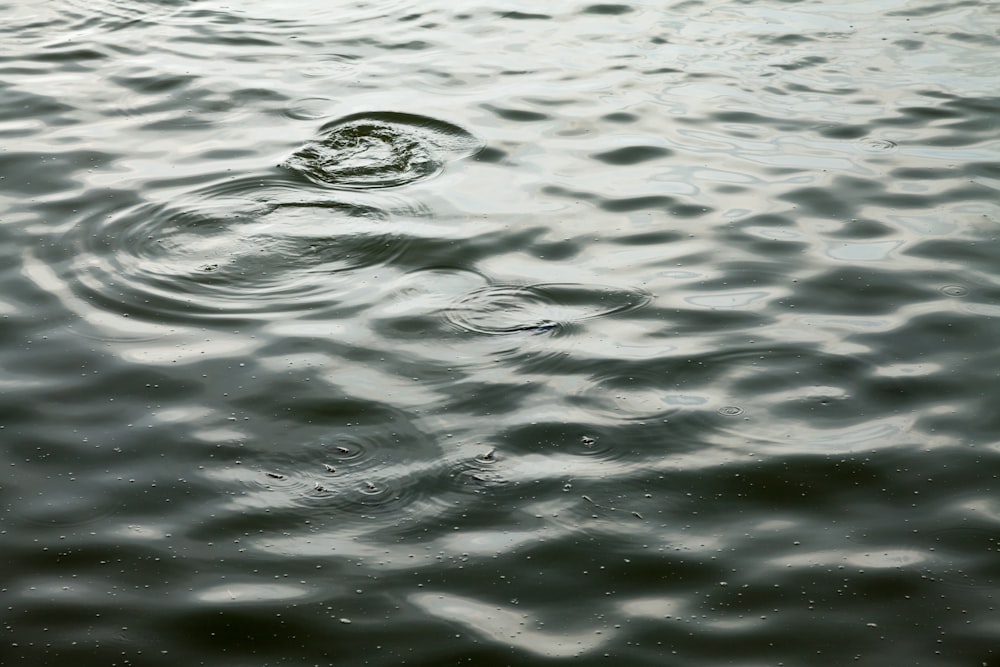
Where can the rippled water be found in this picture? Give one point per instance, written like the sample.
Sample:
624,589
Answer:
390,333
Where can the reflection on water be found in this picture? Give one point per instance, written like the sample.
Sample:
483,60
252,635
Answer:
622,333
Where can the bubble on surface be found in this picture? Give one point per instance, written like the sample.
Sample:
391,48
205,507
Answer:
380,150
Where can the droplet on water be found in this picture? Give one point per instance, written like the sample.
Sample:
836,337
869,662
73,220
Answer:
954,290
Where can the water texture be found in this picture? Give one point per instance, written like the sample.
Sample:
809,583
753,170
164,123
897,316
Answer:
433,334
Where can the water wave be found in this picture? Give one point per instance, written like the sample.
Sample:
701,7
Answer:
381,405
113,16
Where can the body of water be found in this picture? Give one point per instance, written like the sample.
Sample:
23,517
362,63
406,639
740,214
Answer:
396,333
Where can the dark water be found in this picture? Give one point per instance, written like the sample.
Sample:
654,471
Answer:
434,333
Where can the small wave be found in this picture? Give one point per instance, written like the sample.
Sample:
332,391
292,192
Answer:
380,150
114,15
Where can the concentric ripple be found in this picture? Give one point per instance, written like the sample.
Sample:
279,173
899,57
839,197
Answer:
479,473
539,309
362,470
955,290
874,145
227,257
380,150
636,394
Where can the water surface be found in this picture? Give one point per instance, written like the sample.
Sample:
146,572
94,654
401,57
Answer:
383,333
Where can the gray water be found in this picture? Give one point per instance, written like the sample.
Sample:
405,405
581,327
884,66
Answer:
433,334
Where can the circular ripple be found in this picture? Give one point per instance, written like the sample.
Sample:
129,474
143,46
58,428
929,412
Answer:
430,289
643,394
317,488
362,470
597,446
871,145
538,309
479,473
731,410
955,290
414,301
227,257
380,150
66,505
309,108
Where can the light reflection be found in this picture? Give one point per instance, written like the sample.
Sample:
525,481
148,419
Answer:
507,626
251,592
728,299
653,608
862,252
890,558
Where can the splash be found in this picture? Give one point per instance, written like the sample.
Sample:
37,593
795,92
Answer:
381,150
